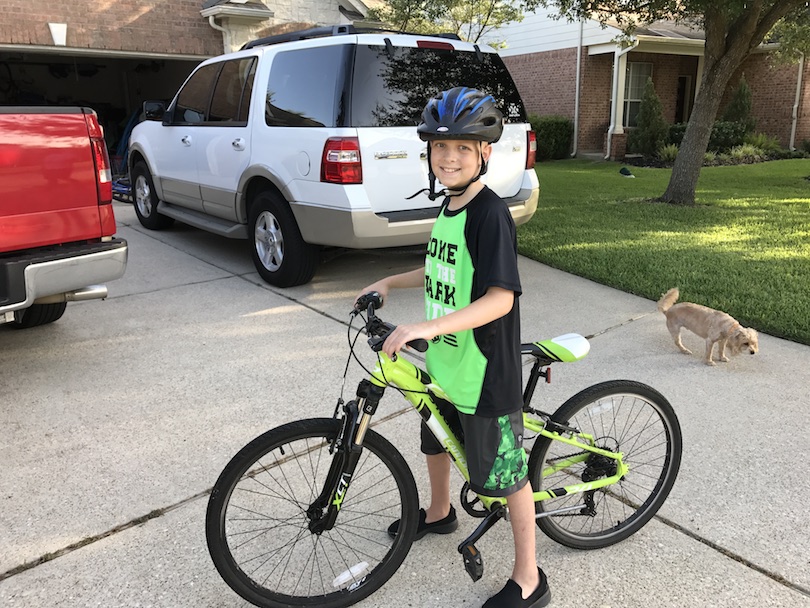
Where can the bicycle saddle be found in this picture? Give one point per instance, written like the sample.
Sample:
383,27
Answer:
566,348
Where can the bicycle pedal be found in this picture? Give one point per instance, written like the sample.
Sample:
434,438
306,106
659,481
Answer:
473,563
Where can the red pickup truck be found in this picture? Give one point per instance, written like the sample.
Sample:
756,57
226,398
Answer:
56,213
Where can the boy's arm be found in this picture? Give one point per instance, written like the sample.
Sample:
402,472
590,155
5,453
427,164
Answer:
413,278
494,304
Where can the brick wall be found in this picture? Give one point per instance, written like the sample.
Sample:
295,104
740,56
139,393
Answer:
164,26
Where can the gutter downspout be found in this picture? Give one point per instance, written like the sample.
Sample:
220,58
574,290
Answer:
795,113
615,101
226,33
578,88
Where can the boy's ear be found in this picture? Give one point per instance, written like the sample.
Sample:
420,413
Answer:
486,150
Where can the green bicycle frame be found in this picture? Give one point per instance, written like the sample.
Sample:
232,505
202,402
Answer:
415,384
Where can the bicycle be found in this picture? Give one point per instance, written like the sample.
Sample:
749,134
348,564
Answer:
299,516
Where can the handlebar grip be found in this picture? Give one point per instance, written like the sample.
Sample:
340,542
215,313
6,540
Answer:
372,298
419,344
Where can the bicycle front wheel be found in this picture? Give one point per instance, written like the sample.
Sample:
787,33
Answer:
621,416
257,523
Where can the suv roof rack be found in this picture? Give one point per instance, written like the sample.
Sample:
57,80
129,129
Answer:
332,30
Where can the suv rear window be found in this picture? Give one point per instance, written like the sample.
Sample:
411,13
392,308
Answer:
392,85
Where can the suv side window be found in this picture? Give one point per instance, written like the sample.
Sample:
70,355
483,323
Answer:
192,101
391,85
302,90
231,99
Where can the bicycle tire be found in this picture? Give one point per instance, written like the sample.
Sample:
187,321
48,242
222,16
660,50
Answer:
625,416
263,494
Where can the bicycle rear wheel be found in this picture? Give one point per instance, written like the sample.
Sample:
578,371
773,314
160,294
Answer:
257,523
622,416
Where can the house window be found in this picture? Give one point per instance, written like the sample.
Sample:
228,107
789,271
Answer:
637,75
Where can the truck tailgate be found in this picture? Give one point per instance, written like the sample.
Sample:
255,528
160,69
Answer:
46,197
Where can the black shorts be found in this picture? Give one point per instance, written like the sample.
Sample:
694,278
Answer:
495,456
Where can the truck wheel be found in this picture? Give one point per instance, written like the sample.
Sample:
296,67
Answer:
38,314
280,254
145,199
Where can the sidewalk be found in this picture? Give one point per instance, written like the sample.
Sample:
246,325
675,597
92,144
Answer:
129,408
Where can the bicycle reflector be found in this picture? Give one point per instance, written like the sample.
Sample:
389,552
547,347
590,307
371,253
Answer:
340,163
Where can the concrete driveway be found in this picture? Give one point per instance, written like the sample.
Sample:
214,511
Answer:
116,421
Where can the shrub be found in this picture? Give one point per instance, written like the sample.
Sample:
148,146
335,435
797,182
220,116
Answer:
554,136
651,130
709,158
676,133
726,135
739,108
763,142
668,153
805,145
746,153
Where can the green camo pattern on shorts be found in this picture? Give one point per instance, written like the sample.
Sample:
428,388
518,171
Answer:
510,464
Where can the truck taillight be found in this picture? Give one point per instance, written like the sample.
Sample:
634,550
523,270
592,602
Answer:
340,163
531,146
101,158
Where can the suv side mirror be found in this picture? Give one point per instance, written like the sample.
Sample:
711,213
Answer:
154,110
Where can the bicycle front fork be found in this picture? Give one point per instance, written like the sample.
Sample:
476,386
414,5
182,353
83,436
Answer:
347,448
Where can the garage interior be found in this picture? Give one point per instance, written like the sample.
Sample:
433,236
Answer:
115,85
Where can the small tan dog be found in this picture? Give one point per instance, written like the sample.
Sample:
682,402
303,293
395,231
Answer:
712,325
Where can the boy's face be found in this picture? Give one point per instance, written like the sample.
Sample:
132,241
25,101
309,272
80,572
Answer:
455,162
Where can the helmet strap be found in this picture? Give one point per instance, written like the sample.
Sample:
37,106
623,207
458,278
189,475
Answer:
431,192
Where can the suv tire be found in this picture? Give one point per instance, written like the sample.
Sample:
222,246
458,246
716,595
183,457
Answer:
280,254
38,314
145,199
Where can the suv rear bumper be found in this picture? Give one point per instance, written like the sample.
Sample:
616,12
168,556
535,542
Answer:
29,276
368,230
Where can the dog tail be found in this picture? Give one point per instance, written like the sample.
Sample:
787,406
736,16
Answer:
668,299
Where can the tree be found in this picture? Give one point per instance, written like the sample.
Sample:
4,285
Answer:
651,130
733,29
470,19
739,108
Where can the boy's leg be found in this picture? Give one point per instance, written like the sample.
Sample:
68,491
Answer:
438,466
521,514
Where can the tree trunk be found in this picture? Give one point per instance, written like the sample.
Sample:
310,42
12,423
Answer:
686,171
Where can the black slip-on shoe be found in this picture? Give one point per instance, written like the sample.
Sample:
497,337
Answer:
511,595
443,526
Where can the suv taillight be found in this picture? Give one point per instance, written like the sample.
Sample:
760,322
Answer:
101,159
531,146
341,161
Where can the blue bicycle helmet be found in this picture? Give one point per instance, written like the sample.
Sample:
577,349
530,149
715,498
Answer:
461,113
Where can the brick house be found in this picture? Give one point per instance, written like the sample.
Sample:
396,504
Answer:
112,56
577,70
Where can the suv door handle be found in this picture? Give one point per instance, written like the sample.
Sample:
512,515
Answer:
238,144
186,139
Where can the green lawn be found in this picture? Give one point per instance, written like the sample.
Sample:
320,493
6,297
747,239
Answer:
744,248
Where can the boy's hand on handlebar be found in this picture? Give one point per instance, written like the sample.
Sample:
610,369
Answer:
404,334
381,287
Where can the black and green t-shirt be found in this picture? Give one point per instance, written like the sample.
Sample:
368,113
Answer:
471,250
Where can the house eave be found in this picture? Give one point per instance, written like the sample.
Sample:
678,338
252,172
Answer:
654,44
242,13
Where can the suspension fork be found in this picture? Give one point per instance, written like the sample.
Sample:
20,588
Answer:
348,447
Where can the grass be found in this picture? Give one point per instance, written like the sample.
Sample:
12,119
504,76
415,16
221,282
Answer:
744,248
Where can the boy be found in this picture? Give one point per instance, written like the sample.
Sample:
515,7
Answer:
471,288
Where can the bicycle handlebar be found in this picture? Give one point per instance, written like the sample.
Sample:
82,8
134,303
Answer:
377,329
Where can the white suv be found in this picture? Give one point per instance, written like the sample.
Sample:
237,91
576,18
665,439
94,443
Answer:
308,139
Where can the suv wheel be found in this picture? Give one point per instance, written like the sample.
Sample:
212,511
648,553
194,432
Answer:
145,199
280,254
38,314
